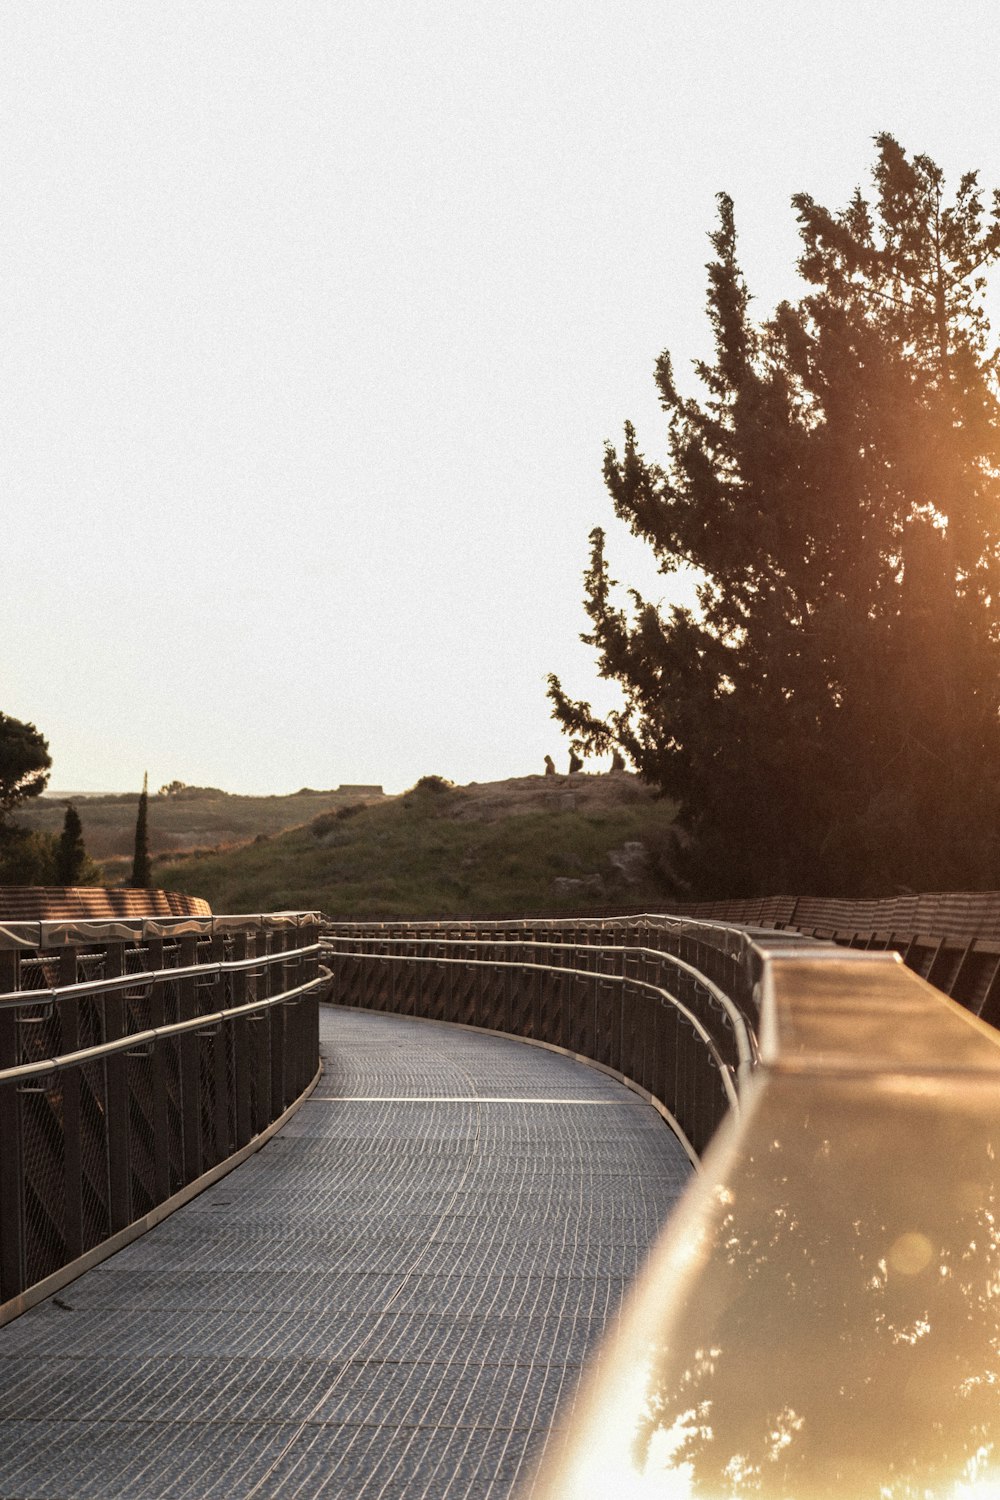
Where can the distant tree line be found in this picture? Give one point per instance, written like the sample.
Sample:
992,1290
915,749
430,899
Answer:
828,716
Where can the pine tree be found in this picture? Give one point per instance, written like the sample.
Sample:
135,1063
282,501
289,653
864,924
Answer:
71,855
142,870
24,763
827,719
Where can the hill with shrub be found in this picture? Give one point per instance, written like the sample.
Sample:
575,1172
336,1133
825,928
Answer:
530,844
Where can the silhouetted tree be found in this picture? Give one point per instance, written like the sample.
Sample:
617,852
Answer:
24,763
142,869
25,857
827,718
71,854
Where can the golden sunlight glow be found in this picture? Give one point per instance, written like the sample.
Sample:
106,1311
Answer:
910,1253
604,1464
980,1483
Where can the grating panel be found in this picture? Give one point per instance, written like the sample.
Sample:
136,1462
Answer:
394,1298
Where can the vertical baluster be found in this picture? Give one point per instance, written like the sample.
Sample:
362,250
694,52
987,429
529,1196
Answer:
69,1015
161,1125
261,1037
220,1054
116,1091
309,1012
11,1165
242,1030
190,1060
275,985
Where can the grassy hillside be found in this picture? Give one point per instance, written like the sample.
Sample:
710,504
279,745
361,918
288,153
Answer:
532,844
193,818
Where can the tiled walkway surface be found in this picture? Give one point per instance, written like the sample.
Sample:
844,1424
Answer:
390,1300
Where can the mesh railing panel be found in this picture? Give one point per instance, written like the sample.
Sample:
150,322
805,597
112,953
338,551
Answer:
595,1001
90,1147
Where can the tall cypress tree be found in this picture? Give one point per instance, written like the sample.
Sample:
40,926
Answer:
142,870
828,718
70,854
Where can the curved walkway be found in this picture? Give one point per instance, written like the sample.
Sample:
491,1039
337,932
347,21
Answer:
389,1300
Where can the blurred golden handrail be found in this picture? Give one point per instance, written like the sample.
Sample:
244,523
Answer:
821,1317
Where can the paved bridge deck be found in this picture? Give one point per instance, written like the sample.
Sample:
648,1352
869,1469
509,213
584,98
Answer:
391,1299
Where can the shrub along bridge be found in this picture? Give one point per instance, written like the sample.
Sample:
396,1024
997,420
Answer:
411,1290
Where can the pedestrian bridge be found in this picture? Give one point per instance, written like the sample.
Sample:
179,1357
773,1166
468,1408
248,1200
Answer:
392,1298
410,1285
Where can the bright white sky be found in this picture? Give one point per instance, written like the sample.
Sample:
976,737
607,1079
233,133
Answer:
316,316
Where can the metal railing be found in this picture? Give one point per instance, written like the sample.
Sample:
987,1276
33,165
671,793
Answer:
950,938
821,1316
666,1005
139,1058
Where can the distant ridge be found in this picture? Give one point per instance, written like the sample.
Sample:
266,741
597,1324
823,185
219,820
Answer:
60,796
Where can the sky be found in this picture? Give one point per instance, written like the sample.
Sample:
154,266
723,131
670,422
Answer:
315,320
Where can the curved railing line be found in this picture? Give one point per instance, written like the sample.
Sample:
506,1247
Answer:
53,932
723,1067
745,937
507,924
825,1290
143,978
44,1067
743,1034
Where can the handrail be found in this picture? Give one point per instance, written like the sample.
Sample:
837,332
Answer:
619,979
821,1315
687,1075
139,977
128,1082
57,932
743,1032
135,1039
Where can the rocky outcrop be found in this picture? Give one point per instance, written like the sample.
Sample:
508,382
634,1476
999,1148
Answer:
631,862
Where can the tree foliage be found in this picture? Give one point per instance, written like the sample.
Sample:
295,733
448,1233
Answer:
828,718
70,854
142,866
24,763
27,857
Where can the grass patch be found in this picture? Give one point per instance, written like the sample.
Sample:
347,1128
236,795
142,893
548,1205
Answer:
424,855
210,819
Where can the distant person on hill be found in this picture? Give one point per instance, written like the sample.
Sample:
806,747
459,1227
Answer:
575,763
617,762
550,766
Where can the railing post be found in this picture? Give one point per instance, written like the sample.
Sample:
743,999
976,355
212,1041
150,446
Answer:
220,1057
69,1016
11,1165
190,1060
309,1012
276,983
242,1028
161,1124
116,1092
261,1043
290,1016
